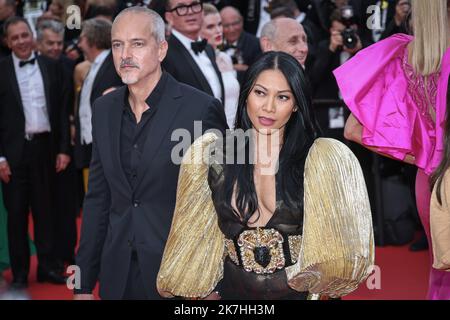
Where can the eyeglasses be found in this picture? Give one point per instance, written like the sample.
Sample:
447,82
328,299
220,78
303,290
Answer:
183,9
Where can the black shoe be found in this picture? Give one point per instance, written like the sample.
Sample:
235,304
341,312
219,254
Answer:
419,245
19,283
51,276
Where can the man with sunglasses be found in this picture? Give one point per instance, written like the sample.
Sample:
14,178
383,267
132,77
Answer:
190,59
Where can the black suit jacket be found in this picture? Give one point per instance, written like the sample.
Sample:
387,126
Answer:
113,213
106,78
180,64
12,117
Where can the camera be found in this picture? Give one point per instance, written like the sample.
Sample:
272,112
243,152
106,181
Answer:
350,39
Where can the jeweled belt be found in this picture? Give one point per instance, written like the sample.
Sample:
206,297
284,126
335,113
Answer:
263,250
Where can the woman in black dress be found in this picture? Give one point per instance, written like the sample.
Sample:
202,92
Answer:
273,211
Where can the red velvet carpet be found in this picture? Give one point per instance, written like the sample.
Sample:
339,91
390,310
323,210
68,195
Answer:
402,275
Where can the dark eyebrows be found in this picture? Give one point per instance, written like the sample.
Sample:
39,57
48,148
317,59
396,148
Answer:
288,90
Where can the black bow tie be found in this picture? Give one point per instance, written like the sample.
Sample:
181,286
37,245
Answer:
229,46
25,62
199,46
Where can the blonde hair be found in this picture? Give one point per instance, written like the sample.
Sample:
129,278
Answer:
209,9
430,27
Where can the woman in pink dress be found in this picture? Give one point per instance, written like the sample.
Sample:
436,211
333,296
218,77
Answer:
396,90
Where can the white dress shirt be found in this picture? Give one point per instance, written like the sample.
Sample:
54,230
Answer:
85,113
203,62
231,86
32,94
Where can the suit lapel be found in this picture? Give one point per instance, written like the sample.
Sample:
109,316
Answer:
14,83
167,112
115,129
193,65
46,81
210,52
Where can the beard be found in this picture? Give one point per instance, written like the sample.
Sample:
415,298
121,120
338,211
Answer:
129,79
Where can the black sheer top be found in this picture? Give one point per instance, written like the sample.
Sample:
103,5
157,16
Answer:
238,283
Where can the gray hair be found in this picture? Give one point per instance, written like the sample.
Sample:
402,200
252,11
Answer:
52,25
97,33
269,30
158,26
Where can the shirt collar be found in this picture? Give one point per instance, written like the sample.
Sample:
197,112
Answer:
16,59
183,39
101,57
155,96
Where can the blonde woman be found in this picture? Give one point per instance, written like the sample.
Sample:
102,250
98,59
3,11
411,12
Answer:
396,90
212,31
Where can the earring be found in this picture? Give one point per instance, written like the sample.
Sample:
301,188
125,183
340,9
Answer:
295,109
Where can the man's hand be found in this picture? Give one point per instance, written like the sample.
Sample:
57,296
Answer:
62,161
336,40
5,171
83,297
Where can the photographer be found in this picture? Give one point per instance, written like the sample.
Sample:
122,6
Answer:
343,43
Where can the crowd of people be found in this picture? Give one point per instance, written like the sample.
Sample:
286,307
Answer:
86,117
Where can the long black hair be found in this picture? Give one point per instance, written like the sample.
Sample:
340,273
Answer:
438,175
300,132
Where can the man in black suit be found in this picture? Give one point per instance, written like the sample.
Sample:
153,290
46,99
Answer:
50,43
34,140
190,59
129,205
241,46
95,42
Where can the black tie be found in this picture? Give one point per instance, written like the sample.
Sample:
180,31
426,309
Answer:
199,46
25,62
229,46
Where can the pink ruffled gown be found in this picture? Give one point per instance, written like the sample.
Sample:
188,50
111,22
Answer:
390,101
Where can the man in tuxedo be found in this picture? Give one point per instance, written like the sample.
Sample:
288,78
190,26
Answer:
95,42
241,46
34,143
50,43
190,59
131,196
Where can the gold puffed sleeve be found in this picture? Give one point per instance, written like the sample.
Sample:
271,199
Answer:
337,249
192,262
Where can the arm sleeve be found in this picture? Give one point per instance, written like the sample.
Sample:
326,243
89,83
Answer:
95,219
440,226
337,249
192,262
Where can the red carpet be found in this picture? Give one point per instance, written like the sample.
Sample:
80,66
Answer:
403,275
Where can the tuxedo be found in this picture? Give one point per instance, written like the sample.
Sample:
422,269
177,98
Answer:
106,78
248,47
127,215
31,157
180,64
